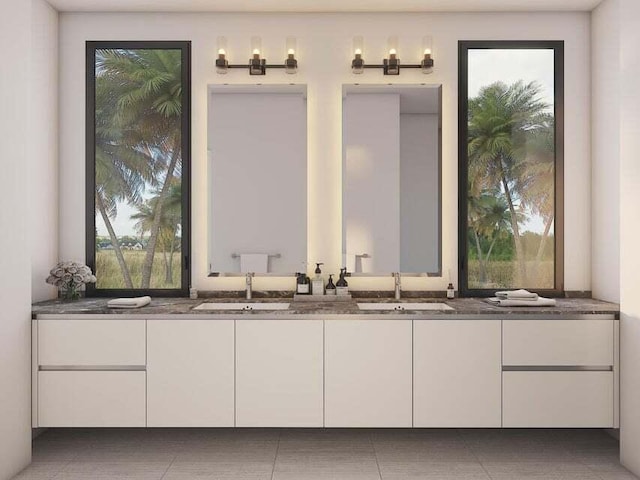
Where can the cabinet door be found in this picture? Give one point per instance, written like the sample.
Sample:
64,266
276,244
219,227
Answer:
190,373
279,373
368,373
457,373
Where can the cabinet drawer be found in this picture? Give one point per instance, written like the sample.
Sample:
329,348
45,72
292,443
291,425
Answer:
558,342
579,399
91,342
91,399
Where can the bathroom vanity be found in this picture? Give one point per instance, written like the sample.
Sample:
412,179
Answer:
325,365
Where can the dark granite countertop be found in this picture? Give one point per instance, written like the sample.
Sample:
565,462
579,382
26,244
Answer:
462,307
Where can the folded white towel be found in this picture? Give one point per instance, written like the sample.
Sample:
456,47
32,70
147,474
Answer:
517,295
349,261
254,262
539,302
135,302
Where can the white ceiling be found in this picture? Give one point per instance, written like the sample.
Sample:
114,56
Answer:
322,5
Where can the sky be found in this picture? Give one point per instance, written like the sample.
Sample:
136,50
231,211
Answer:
122,224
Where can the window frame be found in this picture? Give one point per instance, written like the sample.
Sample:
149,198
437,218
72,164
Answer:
463,80
90,221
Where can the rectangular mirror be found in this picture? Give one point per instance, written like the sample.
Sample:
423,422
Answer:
391,197
257,145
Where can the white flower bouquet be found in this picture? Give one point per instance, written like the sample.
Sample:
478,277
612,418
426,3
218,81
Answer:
70,278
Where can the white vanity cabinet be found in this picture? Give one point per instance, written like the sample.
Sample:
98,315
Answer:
279,373
190,373
457,373
90,373
368,373
374,370
559,373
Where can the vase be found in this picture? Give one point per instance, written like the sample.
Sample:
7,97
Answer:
70,292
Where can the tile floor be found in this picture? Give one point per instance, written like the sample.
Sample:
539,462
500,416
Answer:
306,454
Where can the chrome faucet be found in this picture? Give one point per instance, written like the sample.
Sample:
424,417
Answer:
396,277
249,284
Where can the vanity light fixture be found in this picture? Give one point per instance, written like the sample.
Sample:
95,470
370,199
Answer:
290,63
222,65
357,64
257,64
427,61
391,65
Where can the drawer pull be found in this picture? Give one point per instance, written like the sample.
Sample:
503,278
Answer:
557,368
92,368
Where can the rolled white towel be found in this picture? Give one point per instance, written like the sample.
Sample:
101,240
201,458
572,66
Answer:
254,262
517,295
539,302
135,302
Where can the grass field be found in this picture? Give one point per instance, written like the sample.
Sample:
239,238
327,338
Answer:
502,274
109,274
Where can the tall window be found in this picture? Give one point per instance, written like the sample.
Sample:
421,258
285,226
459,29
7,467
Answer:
138,159
510,166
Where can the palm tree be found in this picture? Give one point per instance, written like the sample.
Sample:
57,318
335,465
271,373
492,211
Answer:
169,224
120,171
501,119
539,177
489,217
151,100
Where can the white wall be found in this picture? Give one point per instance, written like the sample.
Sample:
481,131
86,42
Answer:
27,32
616,177
43,149
605,154
324,45
629,234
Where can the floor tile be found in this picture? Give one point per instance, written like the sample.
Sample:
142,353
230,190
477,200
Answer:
541,470
422,445
325,454
113,471
621,474
40,471
427,470
220,470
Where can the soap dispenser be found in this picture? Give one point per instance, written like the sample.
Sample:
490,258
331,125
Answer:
331,288
302,284
342,287
317,284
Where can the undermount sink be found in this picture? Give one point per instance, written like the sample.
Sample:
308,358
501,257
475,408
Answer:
246,306
400,306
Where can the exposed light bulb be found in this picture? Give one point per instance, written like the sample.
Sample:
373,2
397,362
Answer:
392,51
358,51
221,51
427,51
291,51
256,51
